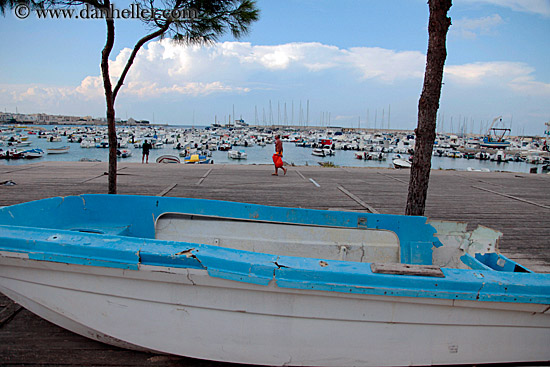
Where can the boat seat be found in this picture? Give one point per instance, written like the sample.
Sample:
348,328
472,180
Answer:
278,238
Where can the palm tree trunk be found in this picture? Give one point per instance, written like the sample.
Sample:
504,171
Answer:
428,105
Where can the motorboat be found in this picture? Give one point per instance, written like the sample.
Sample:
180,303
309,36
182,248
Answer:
255,284
197,159
399,162
123,153
237,154
322,152
33,153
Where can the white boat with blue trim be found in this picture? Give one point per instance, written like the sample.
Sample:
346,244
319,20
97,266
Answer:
264,285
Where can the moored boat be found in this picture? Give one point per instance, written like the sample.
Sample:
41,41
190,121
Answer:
168,159
322,152
254,284
14,153
58,150
197,159
33,153
123,153
401,162
237,154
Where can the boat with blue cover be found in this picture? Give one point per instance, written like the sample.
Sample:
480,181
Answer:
256,284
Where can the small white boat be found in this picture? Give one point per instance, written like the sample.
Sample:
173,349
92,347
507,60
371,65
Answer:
54,139
500,156
322,152
168,159
373,156
59,150
225,147
254,284
123,153
33,153
237,154
87,144
104,144
401,163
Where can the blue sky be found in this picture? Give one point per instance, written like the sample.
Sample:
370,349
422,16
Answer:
355,60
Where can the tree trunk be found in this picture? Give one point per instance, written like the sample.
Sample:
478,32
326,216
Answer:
111,128
428,105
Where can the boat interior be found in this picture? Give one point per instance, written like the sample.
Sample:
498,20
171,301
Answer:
305,233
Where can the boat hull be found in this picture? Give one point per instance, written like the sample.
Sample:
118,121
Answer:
60,150
168,159
401,163
188,312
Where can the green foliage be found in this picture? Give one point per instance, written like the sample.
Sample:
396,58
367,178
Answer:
213,19
10,4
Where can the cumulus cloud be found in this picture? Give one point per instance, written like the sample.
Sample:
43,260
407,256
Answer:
386,65
516,76
166,68
541,7
472,27
482,71
163,69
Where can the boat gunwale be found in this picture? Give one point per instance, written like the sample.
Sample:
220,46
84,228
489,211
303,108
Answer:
295,272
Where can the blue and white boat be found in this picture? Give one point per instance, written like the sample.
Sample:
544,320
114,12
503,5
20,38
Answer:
495,141
495,137
255,284
197,159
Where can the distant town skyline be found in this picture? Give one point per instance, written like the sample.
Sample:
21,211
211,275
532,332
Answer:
355,63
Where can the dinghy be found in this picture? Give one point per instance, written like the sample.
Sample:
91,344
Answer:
254,284
237,154
401,163
58,150
167,158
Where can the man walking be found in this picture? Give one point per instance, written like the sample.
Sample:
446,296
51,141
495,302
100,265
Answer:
278,156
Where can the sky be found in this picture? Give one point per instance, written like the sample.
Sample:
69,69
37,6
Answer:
354,63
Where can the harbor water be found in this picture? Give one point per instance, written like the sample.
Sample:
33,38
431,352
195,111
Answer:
256,154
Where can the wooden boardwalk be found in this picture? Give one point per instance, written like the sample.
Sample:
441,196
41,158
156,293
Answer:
516,204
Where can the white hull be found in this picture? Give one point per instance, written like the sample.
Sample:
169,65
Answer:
233,154
58,150
168,159
401,163
187,312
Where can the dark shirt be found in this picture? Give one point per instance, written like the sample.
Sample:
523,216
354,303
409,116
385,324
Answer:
146,148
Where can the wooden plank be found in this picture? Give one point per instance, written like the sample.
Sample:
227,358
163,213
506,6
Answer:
204,176
358,201
314,182
407,269
512,197
167,190
394,178
301,175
